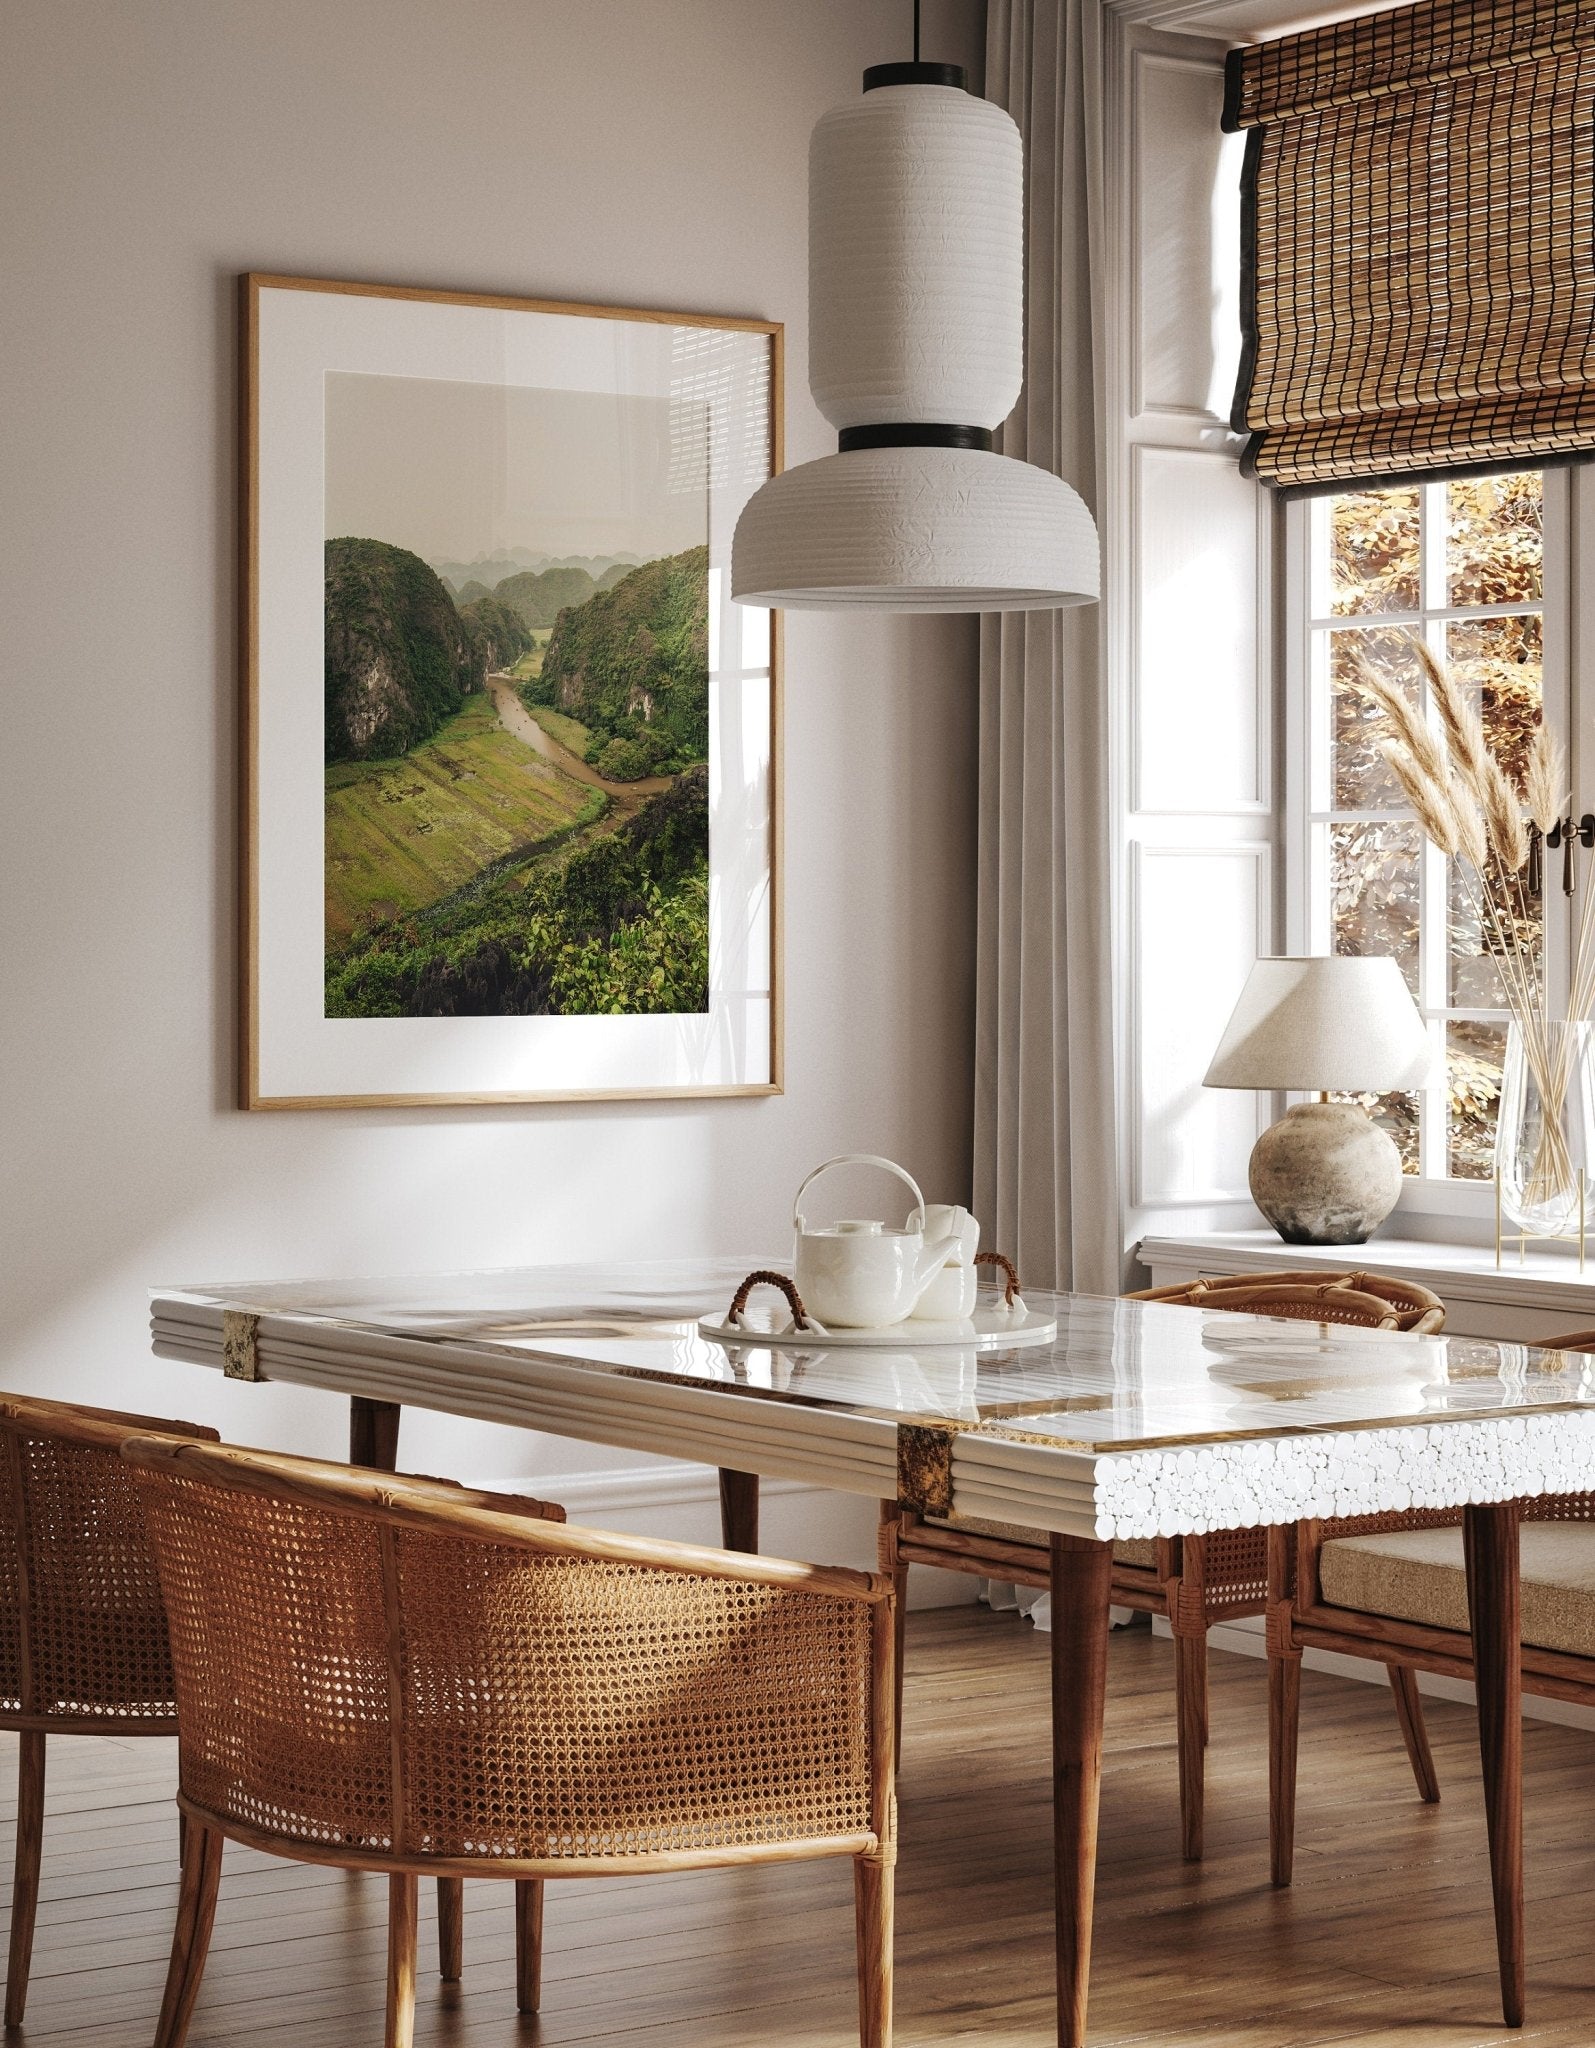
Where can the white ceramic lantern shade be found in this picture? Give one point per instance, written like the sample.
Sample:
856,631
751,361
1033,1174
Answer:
915,529
916,354
916,259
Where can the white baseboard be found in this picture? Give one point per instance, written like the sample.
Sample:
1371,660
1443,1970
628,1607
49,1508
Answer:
669,1483
1245,1639
670,1497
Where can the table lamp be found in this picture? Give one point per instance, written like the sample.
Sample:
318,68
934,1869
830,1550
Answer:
1324,1174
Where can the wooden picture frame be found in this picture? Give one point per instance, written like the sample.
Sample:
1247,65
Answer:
682,414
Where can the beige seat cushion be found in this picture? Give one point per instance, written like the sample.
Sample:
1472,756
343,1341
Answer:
1138,1551
1417,1575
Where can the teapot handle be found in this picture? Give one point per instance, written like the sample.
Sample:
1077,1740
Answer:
858,1159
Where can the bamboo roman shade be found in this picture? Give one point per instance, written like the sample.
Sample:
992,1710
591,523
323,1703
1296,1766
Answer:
1419,242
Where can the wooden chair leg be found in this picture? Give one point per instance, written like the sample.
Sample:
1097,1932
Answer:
739,1511
196,1912
1490,1552
1409,1712
402,1904
451,1928
873,1892
1190,1682
528,1943
890,1560
25,1884
1284,1723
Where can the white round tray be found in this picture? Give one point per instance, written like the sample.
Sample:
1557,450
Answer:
988,1329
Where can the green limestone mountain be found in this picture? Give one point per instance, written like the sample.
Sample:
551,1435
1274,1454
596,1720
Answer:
541,595
495,630
399,657
632,664
490,570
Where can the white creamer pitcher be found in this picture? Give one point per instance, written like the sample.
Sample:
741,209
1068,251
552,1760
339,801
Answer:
950,1297
859,1274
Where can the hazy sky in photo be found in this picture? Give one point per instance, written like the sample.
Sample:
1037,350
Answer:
454,471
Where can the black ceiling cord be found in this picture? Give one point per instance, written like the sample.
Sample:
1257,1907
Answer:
916,72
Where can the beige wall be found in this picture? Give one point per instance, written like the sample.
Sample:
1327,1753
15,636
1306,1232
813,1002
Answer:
621,150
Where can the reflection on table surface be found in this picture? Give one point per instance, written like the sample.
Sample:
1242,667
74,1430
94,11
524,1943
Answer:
1119,1373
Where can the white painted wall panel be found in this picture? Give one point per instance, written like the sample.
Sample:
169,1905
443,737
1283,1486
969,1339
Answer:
1186,215
1200,916
1199,726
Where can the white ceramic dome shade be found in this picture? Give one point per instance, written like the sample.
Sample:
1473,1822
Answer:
916,259
915,530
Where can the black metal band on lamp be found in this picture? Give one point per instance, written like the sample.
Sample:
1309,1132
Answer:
913,434
917,74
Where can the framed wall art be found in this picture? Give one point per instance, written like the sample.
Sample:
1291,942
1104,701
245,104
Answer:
510,751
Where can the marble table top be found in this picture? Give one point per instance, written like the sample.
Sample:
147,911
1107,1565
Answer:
1139,1418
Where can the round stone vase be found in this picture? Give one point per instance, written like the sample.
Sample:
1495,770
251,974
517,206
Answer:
1545,1132
1324,1174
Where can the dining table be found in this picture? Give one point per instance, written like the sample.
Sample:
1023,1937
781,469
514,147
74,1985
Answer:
1128,1419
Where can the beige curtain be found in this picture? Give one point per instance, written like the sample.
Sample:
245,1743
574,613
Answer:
1046,1178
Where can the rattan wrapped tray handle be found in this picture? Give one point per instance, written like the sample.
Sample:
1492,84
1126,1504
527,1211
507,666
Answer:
739,1300
1009,1271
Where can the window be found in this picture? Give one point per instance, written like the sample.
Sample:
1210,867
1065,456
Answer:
1476,568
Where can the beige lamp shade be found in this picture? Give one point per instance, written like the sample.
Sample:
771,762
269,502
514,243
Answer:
1324,1023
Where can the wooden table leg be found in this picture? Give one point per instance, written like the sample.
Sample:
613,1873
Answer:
739,1510
1081,1570
1490,1549
374,1433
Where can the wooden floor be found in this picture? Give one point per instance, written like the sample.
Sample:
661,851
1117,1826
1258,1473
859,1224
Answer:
1385,1941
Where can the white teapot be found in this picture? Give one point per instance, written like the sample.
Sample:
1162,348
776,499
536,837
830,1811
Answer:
859,1274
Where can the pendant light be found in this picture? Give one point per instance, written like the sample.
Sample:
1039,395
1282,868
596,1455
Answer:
916,356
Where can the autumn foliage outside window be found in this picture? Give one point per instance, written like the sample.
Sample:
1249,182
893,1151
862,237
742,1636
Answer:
1461,564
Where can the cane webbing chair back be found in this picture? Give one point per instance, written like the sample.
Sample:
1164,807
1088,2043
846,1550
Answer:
1372,1301
399,1673
83,1645
82,1630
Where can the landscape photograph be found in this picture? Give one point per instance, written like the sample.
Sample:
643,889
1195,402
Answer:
516,703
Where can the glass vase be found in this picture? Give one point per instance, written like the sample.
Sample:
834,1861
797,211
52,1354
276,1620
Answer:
1545,1136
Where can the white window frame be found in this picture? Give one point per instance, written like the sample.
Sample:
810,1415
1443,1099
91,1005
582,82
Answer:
1306,736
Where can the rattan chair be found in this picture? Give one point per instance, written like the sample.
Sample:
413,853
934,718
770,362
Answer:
83,1646
1193,1581
1393,1588
387,1674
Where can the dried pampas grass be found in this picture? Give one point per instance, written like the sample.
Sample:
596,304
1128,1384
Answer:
1408,725
1503,816
1467,806
1429,797
1469,823
1545,788
1464,729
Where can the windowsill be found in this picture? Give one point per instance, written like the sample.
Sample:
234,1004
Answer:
1541,1294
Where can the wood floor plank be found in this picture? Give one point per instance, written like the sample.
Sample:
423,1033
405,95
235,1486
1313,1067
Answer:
1384,1941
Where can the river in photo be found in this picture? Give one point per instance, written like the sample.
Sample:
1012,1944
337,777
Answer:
515,718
